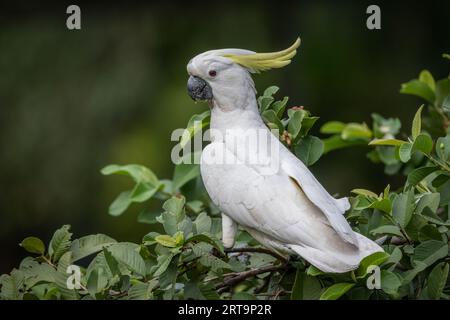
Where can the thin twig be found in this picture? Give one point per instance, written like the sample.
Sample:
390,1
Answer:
48,261
233,278
277,294
273,294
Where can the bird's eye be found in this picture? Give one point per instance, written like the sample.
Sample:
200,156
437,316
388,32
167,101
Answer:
212,73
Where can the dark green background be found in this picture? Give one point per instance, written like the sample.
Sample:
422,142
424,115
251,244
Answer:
72,102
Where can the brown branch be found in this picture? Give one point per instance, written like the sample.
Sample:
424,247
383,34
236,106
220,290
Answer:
259,250
274,294
232,279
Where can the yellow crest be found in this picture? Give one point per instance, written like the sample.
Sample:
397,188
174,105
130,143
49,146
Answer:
257,62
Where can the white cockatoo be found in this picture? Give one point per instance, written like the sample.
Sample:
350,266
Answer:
276,199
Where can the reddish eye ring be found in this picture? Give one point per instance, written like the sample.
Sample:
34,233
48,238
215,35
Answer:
212,73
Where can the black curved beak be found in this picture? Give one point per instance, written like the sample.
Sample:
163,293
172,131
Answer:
199,89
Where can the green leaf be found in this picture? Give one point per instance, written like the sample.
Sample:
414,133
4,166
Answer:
271,117
33,245
385,127
332,127
336,291
383,205
127,254
295,122
418,88
280,106
444,190
264,103
243,296
390,282
417,175
120,204
423,143
270,91
173,215
258,260
297,287
336,142
417,123
414,226
354,131
196,291
195,206
88,245
148,216
203,223
35,272
386,142
142,290
426,77
313,271
185,173
442,92
307,124
365,192
311,288
309,150
137,172
62,276
375,259
207,239
394,258
437,280
60,243
387,155
175,206
402,208
429,232
213,262
192,291
266,99
97,281
179,238
440,180
166,241
111,263
169,222
404,152
11,285
446,103
443,148
387,229
196,123
409,275
430,251
143,191
428,200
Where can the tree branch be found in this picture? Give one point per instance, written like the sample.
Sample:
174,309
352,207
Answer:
233,278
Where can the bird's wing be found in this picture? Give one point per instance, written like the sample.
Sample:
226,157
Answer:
332,208
271,204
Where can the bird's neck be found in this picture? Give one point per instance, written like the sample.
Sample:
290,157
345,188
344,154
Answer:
236,107
245,116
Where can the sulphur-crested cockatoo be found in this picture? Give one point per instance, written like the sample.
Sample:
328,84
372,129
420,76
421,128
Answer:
263,187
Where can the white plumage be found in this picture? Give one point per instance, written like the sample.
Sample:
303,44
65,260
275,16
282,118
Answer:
287,209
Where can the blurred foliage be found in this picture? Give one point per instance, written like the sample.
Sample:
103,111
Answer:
71,101
182,256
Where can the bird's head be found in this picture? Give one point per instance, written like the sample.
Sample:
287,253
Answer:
222,77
